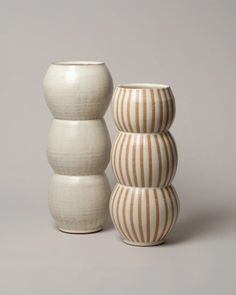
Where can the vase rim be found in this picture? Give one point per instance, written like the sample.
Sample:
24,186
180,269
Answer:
143,86
77,63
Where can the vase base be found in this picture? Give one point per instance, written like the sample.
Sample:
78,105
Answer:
138,244
88,231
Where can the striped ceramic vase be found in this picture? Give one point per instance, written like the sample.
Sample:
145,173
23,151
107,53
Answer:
78,94
144,206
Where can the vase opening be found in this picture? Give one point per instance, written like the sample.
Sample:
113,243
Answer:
78,63
143,86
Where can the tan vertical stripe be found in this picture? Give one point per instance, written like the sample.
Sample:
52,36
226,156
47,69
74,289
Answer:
134,164
137,112
167,159
117,109
120,158
172,209
153,110
159,161
132,217
124,214
176,199
157,215
166,214
117,212
128,111
170,105
174,150
144,111
160,110
148,214
149,159
140,216
167,110
112,204
141,161
172,157
122,110
127,159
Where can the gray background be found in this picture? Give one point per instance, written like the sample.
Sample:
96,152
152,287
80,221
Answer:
189,45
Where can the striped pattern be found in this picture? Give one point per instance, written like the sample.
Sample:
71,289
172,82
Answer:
144,160
149,110
144,215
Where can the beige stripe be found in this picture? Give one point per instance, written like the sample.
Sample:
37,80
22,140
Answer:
124,214
160,110
157,215
140,216
174,150
166,214
137,112
159,160
134,160
148,214
167,160
144,111
127,160
117,109
120,158
141,161
132,217
128,111
153,110
117,212
149,159
122,111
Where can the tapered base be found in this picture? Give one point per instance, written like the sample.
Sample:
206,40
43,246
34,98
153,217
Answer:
89,231
144,244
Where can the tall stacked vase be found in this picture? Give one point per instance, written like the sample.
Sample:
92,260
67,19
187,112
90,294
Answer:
78,94
144,205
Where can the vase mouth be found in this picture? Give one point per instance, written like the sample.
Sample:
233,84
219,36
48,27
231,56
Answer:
77,63
144,86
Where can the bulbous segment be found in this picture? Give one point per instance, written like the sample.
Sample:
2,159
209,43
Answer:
78,90
143,108
144,160
144,216
79,204
78,147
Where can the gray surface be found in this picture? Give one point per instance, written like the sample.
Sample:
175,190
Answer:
187,44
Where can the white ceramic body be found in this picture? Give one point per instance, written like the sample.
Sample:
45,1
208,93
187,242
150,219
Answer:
78,90
144,160
149,109
78,147
79,204
78,94
144,216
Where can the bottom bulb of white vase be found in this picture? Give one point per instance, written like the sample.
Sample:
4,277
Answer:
79,204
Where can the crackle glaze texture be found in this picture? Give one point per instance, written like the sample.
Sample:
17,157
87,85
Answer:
144,206
78,94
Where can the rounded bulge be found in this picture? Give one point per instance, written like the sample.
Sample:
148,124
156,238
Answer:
78,147
78,91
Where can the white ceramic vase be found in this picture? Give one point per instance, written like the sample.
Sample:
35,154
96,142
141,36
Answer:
144,205
78,94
